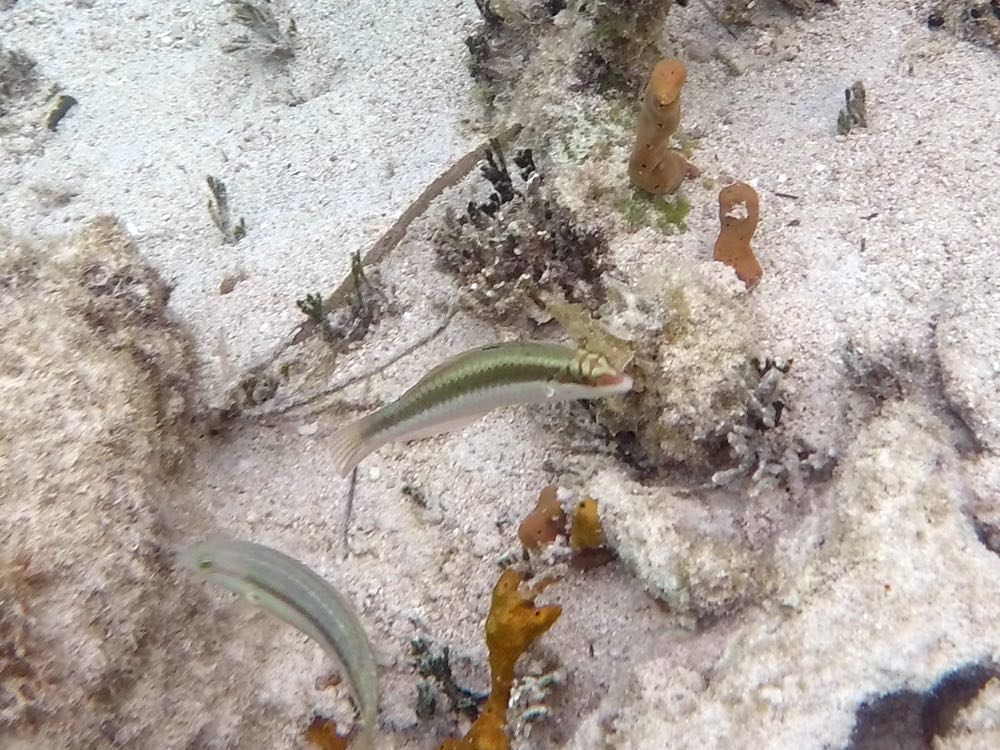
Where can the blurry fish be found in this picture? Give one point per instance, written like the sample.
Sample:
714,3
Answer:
286,588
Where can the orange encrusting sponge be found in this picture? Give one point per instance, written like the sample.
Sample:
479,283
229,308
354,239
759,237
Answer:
654,166
739,212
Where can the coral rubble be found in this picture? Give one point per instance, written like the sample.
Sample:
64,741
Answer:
978,20
702,400
693,555
883,587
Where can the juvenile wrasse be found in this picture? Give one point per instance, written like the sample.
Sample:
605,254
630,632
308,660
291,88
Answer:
473,383
290,591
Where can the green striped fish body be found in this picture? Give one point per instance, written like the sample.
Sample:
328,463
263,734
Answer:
295,594
473,383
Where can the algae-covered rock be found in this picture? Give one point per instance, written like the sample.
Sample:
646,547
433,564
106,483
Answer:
692,554
95,394
885,587
702,398
102,643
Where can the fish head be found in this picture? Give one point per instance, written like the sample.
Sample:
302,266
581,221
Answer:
594,370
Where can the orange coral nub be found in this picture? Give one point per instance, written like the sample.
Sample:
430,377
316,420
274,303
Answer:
322,733
586,531
739,212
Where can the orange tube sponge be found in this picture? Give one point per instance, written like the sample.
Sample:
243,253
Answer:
513,624
546,522
739,211
654,166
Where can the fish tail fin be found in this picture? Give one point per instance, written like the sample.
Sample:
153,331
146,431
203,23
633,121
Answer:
349,446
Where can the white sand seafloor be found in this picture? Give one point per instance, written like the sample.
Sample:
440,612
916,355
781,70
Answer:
821,614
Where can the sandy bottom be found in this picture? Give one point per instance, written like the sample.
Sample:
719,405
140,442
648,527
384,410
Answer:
887,238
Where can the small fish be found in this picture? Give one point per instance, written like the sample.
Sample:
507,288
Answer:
290,591
468,386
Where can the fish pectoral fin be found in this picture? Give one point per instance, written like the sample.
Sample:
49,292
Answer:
451,425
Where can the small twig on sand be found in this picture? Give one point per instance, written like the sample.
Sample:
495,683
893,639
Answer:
370,373
349,510
342,295
395,234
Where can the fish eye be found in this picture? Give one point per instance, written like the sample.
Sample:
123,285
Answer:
204,565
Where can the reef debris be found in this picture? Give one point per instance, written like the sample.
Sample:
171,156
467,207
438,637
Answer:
60,107
695,554
218,209
702,399
435,668
977,20
18,78
882,587
622,42
268,35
